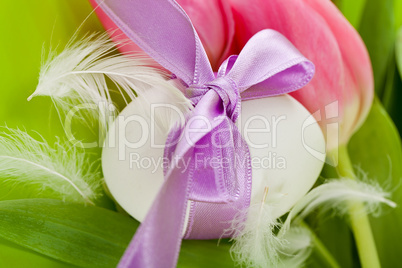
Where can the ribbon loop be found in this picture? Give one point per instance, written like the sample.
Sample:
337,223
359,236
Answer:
262,59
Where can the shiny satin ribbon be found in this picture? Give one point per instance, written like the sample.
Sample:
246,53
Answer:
268,65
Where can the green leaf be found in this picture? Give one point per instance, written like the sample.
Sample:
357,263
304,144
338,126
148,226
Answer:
205,253
352,10
322,256
376,150
337,237
88,236
398,13
398,51
377,29
83,236
392,96
14,256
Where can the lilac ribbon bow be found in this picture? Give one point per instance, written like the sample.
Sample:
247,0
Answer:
268,65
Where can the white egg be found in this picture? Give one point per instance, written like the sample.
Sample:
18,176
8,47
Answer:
286,145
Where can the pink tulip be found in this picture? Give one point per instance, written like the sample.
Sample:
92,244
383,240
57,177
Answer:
214,23
319,30
342,89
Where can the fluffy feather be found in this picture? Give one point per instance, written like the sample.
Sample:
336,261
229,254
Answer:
257,245
64,169
335,194
297,247
79,75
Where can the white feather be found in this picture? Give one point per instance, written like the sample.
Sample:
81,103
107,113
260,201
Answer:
257,245
297,248
79,75
336,194
64,169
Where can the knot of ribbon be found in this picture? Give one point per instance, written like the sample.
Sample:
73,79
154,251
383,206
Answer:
268,65
224,86
229,94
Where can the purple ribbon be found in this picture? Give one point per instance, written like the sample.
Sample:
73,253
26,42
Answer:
268,65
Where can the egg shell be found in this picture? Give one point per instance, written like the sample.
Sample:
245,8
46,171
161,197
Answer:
286,146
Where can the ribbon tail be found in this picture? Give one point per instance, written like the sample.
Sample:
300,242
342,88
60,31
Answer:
157,241
215,202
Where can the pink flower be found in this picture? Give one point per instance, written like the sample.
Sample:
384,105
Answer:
214,23
319,30
342,89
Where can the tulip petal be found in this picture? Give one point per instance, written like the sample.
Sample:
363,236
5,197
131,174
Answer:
214,23
312,26
356,61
